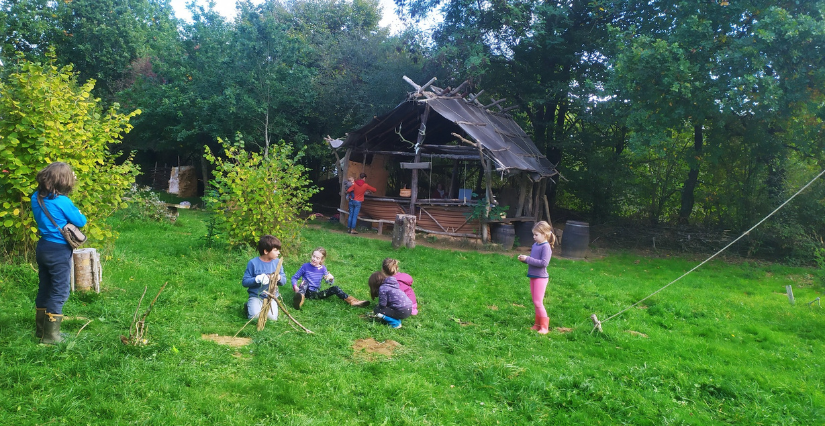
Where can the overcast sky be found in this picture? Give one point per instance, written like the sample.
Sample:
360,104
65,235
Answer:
227,9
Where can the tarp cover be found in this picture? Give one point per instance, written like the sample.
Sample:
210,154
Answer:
501,138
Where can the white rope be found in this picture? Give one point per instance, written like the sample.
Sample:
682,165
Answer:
599,323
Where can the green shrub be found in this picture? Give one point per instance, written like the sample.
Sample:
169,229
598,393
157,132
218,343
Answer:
255,195
144,205
47,116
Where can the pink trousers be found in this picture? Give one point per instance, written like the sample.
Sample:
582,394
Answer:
537,288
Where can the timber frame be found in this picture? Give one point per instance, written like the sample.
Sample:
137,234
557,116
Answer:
445,124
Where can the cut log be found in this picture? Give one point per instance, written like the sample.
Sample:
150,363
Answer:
86,270
403,232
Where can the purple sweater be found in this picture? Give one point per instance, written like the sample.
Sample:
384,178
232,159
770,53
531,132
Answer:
391,296
538,260
311,274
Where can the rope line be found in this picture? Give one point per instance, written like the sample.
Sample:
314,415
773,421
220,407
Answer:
718,252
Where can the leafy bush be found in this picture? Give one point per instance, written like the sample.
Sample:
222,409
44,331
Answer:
255,195
47,116
144,205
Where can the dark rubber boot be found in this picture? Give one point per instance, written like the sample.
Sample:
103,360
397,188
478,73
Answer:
39,320
51,329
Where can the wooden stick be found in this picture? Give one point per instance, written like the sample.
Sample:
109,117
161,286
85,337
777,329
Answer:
283,308
244,326
597,325
81,328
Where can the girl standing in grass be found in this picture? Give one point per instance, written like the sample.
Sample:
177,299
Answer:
311,274
53,253
393,304
537,271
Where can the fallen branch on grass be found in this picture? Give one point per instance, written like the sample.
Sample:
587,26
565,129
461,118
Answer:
137,331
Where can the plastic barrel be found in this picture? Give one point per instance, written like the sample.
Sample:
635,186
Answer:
575,240
504,234
524,232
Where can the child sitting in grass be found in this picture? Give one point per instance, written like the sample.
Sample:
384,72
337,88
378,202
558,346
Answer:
312,274
393,304
404,283
256,277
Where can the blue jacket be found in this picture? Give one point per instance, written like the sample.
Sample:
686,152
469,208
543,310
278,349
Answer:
62,210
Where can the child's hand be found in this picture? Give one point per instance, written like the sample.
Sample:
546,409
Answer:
294,288
522,258
329,277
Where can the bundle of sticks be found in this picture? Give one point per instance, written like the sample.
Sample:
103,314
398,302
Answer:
273,295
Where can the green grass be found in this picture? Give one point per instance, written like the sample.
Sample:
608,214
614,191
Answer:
723,345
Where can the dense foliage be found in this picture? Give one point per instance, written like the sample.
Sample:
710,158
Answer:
47,116
254,194
696,114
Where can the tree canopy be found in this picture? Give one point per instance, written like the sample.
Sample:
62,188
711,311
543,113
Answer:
661,112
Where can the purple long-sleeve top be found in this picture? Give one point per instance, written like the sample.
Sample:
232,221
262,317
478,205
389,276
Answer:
313,275
538,260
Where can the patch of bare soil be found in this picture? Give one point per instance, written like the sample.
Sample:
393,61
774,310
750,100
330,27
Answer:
563,330
367,348
235,342
636,333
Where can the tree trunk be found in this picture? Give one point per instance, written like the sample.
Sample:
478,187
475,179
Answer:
693,177
403,233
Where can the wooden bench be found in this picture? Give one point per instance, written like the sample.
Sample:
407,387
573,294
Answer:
380,222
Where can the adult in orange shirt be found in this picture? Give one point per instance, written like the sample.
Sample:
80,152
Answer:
357,189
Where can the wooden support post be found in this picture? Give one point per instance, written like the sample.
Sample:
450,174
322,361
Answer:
403,232
541,186
342,177
422,133
454,181
547,210
523,181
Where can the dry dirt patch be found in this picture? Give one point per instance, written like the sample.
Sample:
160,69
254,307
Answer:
367,348
235,342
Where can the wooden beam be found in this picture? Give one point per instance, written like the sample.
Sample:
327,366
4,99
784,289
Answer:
495,103
424,165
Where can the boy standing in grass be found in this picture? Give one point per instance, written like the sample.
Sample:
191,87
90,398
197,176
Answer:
537,271
52,209
393,304
256,277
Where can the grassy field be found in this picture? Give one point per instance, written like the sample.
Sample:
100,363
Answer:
721,346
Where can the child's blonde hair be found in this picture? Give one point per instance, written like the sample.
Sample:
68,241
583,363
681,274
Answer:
55,179
376,279
390,266
546,229
323,253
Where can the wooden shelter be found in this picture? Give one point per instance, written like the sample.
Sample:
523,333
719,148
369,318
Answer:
445,125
